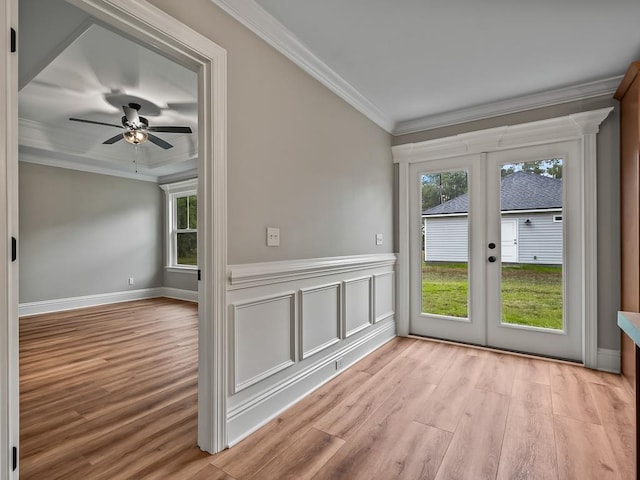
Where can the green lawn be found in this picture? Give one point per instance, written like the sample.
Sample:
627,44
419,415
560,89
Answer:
531,294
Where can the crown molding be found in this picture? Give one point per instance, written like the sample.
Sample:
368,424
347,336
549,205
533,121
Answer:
604,87
260,22
256,19
41,158
558,129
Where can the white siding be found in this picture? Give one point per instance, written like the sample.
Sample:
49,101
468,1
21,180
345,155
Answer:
447,239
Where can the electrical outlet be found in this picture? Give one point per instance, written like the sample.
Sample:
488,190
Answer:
340,364
273,237
130,280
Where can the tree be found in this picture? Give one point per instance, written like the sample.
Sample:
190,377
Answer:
438,188
548,168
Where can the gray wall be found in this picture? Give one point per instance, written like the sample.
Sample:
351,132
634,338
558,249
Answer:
84,233
181,280
539,242
446,239
608,197
299,157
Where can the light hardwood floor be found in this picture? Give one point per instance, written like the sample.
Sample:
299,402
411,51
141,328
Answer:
110,393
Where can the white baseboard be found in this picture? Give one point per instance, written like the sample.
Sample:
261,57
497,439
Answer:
180,294
609,360
73,303
252,414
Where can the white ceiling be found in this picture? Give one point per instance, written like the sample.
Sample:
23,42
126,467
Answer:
406,64
91,74
415,64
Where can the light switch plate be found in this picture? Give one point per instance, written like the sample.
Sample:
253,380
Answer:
378,239
273,237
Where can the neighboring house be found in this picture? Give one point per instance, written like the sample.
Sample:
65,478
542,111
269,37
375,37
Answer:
531,223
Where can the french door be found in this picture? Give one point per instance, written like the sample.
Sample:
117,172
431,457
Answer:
496,254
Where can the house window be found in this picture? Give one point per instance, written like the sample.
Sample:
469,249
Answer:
182,224
557,218
185,229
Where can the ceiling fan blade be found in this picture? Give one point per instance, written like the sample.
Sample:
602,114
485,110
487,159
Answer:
183,106
170,129
132,116
95,123
113,139
159,142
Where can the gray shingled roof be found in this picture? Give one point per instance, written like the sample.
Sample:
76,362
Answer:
520,191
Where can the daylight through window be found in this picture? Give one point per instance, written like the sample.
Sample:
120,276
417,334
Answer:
182,224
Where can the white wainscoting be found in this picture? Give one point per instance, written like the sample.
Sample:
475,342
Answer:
357,305
258,323
290,324
320,318
384,290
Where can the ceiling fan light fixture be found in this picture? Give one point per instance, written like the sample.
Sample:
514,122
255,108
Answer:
135,137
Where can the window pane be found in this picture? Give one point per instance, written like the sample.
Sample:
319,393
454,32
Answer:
445,243
187,248
181,213
532,243
193,212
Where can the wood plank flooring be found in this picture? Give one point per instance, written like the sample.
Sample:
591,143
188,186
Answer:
110,393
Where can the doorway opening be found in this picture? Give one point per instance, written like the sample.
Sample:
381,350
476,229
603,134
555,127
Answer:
160,32
510,294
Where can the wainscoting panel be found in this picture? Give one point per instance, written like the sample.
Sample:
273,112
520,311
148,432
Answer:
319,318
383,295
357,305
296,324
263,333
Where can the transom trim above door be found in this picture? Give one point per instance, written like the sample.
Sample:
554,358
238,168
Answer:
578,129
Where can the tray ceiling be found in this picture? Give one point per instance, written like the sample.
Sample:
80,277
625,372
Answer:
91,77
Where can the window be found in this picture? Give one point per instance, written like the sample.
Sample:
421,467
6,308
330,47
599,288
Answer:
185,229
182,222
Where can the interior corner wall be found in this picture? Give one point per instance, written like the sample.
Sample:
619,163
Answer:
181,280
299,157
86,234
608,173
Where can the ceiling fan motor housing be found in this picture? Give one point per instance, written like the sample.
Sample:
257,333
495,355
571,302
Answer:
143,124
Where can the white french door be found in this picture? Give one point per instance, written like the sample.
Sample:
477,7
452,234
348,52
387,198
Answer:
490,262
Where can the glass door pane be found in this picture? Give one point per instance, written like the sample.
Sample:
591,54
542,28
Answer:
534,250
531,214
445,243
447,270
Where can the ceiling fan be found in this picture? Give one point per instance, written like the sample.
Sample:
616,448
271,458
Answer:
136,128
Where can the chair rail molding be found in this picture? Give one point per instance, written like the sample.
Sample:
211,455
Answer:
256,274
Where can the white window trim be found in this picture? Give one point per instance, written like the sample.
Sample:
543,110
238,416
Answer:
172,191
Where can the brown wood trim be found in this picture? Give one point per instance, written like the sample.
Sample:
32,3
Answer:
637,388
629,77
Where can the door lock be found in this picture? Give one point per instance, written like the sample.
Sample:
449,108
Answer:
492,259
492,245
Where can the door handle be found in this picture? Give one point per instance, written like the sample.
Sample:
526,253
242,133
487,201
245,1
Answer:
492,259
